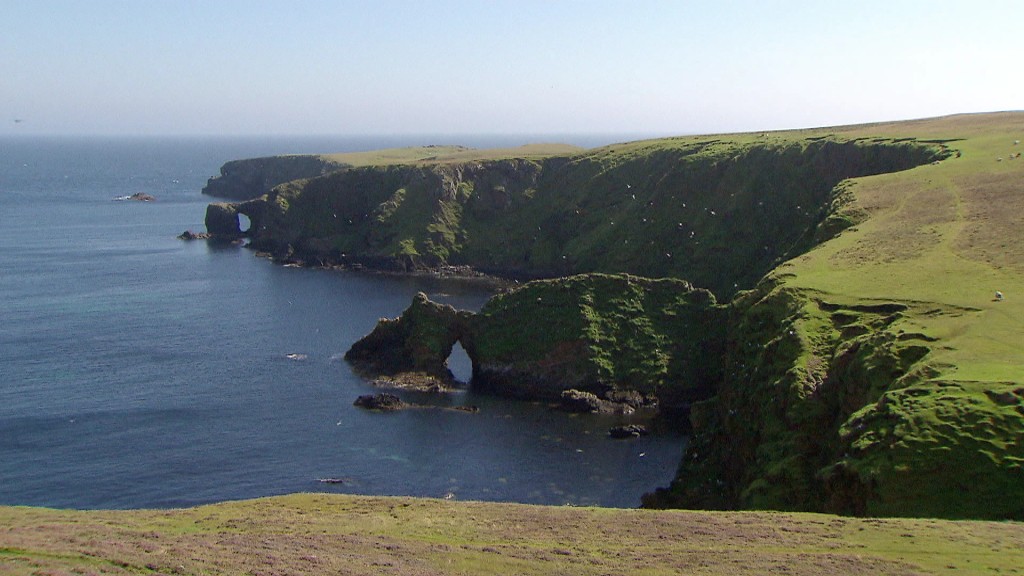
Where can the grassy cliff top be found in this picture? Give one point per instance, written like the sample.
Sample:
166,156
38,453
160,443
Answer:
448,154
943,235
331,534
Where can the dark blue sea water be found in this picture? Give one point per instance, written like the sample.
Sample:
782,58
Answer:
139,370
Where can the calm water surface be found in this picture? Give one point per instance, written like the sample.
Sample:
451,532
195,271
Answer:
138,370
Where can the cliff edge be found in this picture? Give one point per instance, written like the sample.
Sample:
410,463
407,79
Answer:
866,358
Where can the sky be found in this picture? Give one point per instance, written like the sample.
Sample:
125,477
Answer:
298,67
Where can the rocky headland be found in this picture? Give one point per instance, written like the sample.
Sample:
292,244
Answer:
717,213
253,177
796,298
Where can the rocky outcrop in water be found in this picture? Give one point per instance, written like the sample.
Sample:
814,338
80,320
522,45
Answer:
419,341
620,339
222,221
384,402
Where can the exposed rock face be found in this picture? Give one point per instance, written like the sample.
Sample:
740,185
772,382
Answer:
384,402
254,177
588,403
420,340
222,220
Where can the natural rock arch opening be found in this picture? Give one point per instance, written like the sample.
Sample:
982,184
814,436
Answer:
244,224
459,363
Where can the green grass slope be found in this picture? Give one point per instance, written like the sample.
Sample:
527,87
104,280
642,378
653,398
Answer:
604,334
718,212
347,535
877,373
867,366
437,154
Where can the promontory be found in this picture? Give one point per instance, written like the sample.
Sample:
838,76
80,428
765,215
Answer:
836,314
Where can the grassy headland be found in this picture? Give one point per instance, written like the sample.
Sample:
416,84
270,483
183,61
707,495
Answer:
867,366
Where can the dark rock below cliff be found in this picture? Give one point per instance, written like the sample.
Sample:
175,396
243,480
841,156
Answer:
416,381
383,401
222,220
628,431
587,403
420,340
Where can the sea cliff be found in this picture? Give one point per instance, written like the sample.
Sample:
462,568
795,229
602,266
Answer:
253,177
837,326
622,338
718,213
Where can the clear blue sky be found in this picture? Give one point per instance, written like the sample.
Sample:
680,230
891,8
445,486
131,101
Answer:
497,66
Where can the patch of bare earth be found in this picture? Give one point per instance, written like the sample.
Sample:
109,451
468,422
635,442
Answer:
994,217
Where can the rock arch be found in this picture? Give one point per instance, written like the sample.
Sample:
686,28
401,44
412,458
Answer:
420,340
224,219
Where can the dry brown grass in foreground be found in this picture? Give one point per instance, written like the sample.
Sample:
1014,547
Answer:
330,534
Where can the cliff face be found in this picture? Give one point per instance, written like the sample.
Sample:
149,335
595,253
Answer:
833,407
611,335
253,177
604,334
796,401
807,392
420,340
718,214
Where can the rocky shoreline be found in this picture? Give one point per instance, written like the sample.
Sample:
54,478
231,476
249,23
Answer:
806,389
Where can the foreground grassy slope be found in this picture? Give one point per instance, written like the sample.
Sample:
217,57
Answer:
325,534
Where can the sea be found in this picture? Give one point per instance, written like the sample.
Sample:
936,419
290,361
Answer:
138,370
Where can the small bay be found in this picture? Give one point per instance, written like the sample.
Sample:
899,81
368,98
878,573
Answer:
139,370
